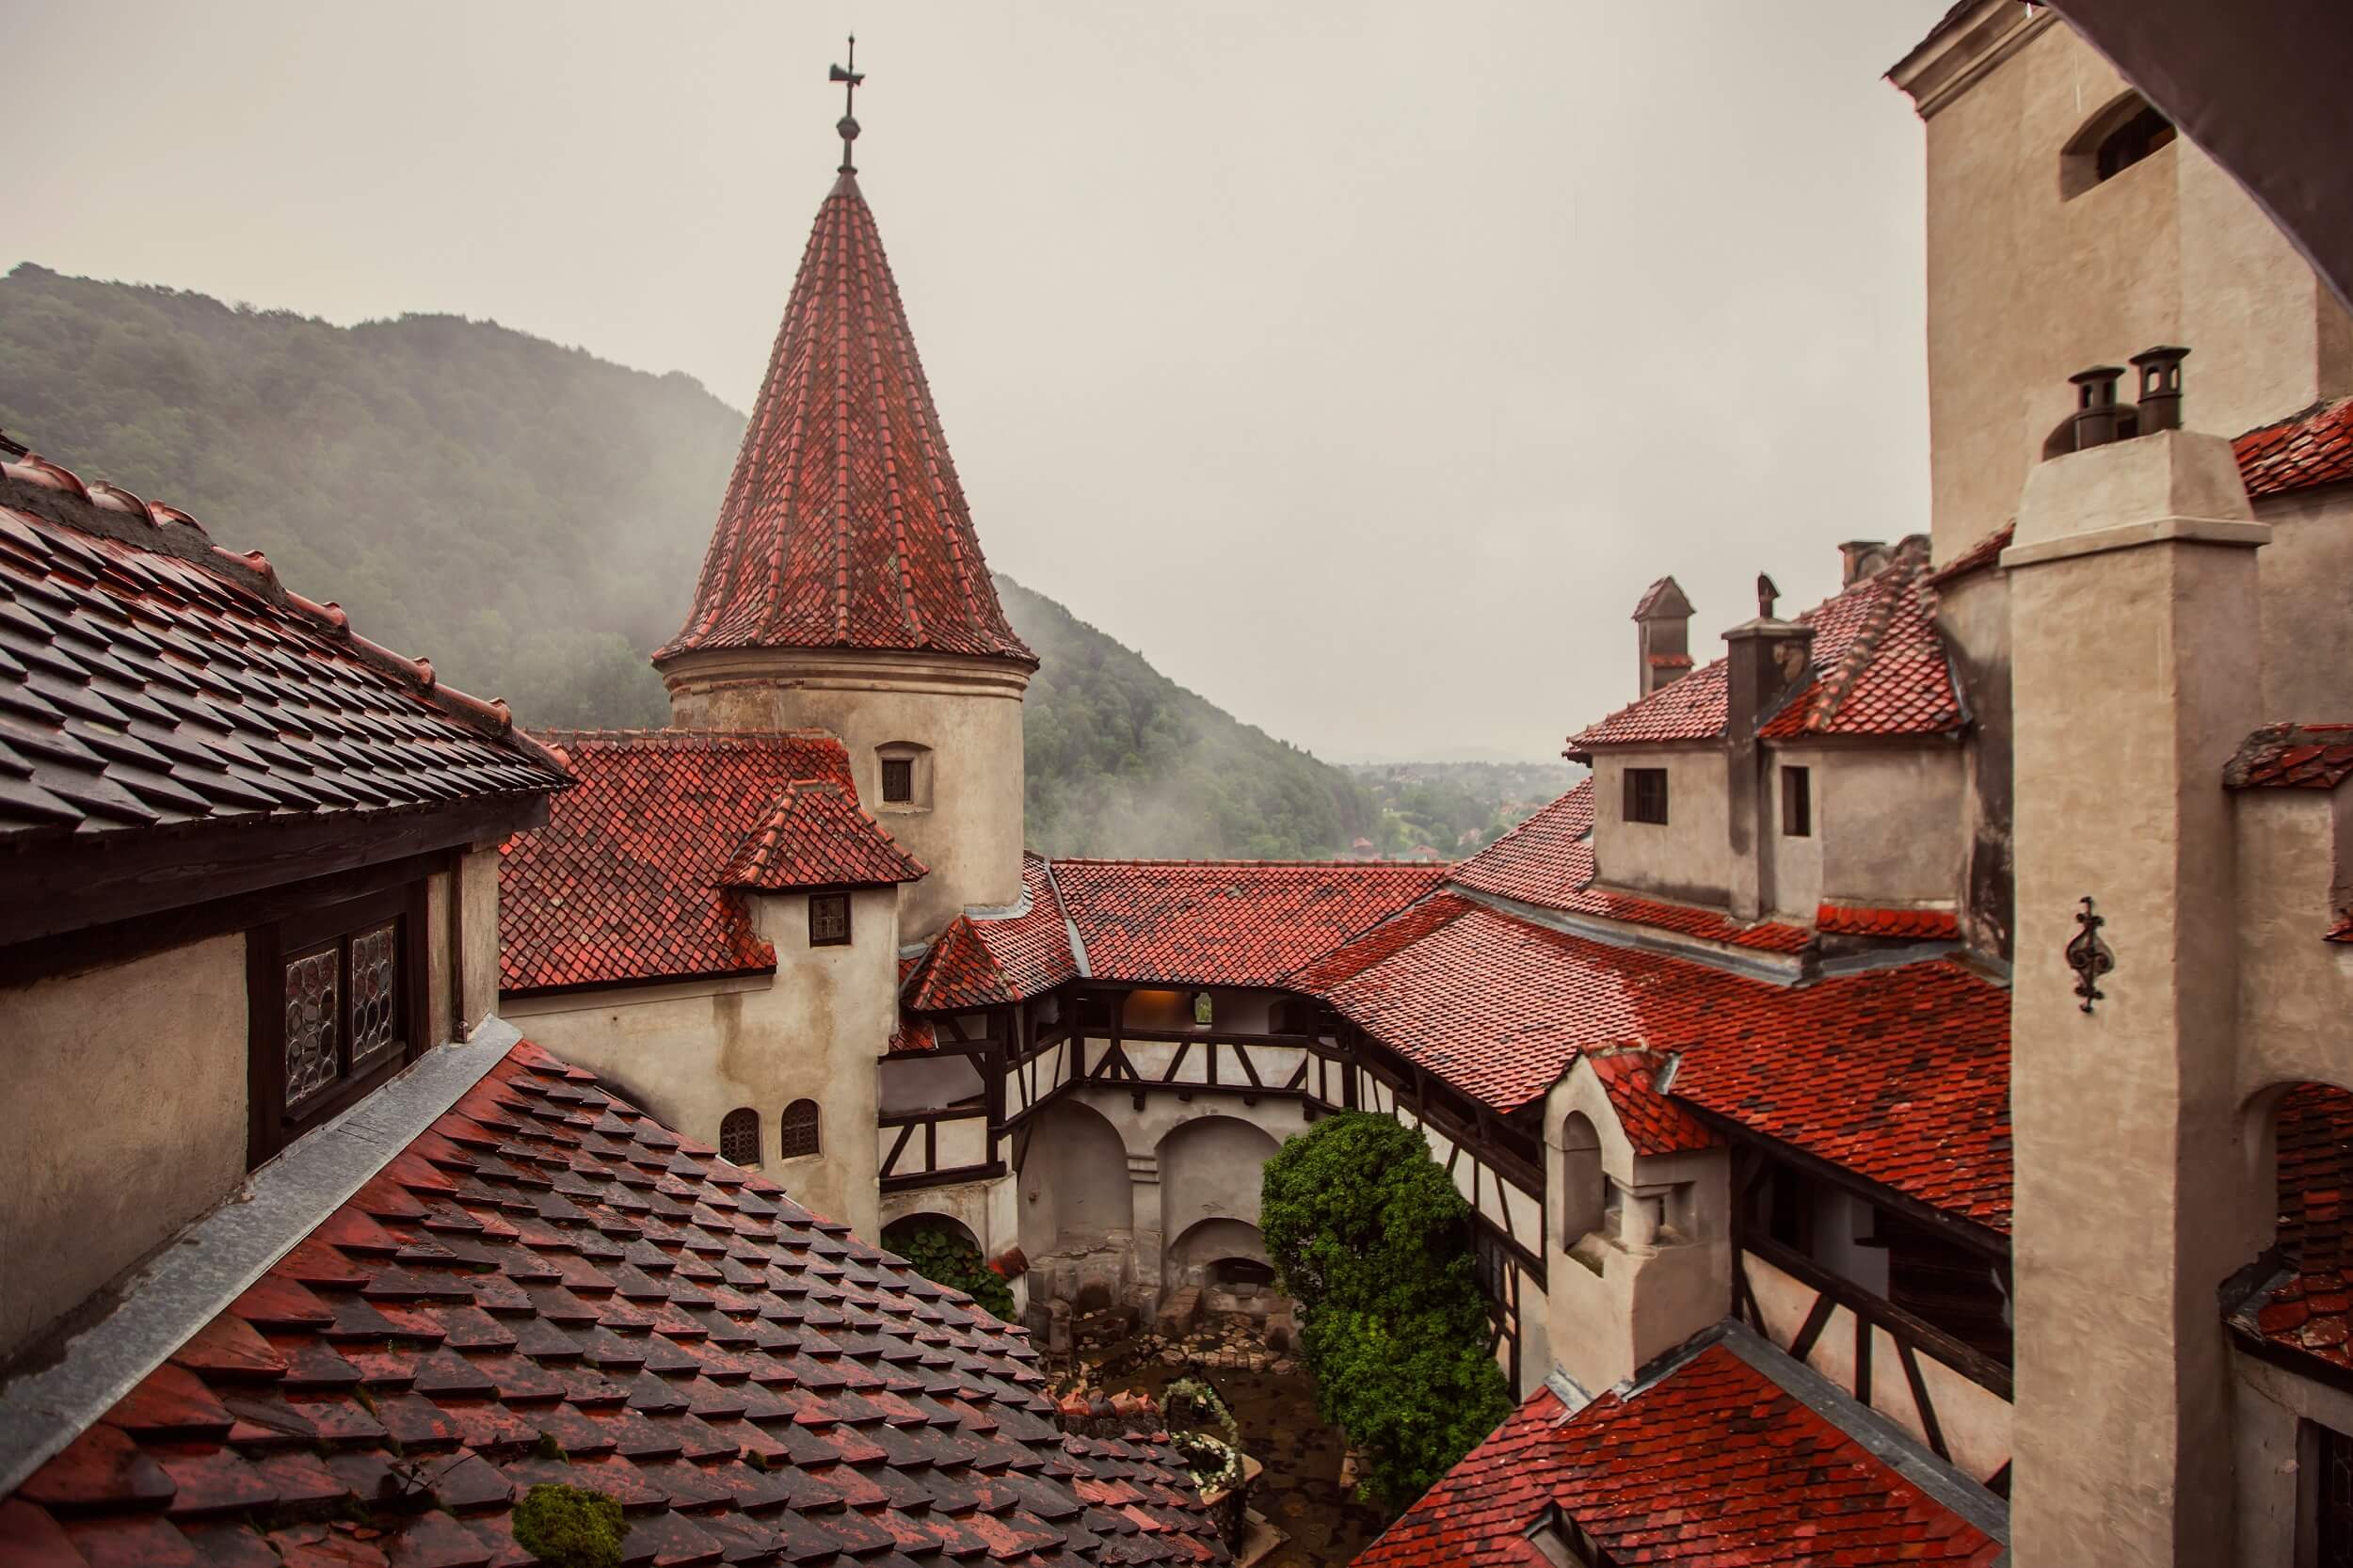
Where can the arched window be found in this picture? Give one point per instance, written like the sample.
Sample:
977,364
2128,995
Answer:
796,1130
1204,1010
1582,1184
739,1136
2128,130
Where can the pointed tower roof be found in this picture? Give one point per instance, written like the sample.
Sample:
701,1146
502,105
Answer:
844,525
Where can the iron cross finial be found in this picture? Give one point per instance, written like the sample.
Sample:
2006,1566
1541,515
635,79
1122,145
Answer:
849,76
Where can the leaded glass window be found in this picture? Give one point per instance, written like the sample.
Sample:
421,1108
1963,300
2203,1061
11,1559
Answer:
739,1136
374,995
797,1130
313,1024
332,992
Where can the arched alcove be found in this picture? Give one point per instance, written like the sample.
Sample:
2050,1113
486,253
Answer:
1073,1181
1211,1168
1583,1187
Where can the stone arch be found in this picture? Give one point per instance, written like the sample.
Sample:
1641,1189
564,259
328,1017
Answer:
1584,1189
1211,1169
928,1217
1215,1247
1074,1186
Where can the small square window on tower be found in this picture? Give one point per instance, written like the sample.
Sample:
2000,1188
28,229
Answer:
829,920
1646,795
898,780
1797,803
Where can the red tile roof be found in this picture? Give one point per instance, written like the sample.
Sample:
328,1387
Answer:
815,835
2313,1309
1900,1075
988,962
549,1287
149,677
1879,670
1653,1122
1541,862
1845,919
2292,756
1985,553
844,525
624,882
1228,922
2315,447
1713,1464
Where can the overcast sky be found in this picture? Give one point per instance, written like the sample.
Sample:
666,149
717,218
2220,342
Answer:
1359,364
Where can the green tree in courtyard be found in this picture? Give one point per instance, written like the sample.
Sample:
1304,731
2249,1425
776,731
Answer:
1372,1241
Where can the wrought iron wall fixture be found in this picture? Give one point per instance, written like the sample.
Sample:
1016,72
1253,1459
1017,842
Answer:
2088,956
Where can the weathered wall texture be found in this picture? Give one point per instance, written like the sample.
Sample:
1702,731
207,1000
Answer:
966,711
2027,286
163,1038
1974,615
2266,1404
689,1055
1890,823
2306,574
2295,998
1687,859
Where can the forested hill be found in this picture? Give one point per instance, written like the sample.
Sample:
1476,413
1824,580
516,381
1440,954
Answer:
532,518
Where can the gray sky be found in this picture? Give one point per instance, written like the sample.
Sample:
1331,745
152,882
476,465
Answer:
1359,363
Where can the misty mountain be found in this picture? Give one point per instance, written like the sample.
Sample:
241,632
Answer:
532,518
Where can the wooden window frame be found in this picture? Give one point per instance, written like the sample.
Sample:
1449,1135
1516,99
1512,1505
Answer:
1797,803
727,1123
787,1130
270,1125
903,768
1640,798
842,938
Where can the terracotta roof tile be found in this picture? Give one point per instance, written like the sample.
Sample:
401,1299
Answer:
2314,447
1714,1464
624,882
1654,1122
1985,553
150,678
824,1400
1540,861
1843,920
844,524
1901,1074
988,962
2292,756
2311,1311
1878,664
1228,922
815,835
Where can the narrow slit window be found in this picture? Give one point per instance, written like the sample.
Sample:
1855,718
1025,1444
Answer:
1796,801
898,780
829,920
796,1130
1646,795
739,1136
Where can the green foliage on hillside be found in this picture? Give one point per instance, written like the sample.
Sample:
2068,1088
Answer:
1123,761
1457,808
1372,1241
532,518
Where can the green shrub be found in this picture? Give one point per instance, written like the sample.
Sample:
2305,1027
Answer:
1372,1241
942,1253
570,1527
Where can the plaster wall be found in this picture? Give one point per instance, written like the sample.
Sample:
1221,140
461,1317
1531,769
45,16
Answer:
2267,1401
2133,680
1612,1302
689,1055
1889,820
967,715
164,1038
2295,998
1687,858
1974,1421
1211,1169
927,1081
2168,251
1974,615
1791,885
2306,574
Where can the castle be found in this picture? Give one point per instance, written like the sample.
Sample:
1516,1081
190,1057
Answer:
1899,1093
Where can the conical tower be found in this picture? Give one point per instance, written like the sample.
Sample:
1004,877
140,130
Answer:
844,587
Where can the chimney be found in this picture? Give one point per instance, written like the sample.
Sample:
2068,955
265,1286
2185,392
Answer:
2160,388
1662,636
1765,660
2098,417
1859,558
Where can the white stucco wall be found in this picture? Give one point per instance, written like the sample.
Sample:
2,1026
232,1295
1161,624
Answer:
967,713
2306,579
691,1053
1688,859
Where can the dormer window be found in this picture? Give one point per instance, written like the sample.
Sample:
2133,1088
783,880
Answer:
1646,795
336,1006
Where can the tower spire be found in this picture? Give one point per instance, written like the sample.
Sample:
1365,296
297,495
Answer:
849,76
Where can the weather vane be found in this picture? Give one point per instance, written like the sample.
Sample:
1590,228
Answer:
849,76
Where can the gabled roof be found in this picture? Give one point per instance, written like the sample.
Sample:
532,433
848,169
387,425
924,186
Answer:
1228,922
1878,668
1653,1121
815,835
150,679
844,525
1715,1463
2314,447
989,962
550,1287
625,882
1662,598
2307,1308
1900,1075
1541,862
